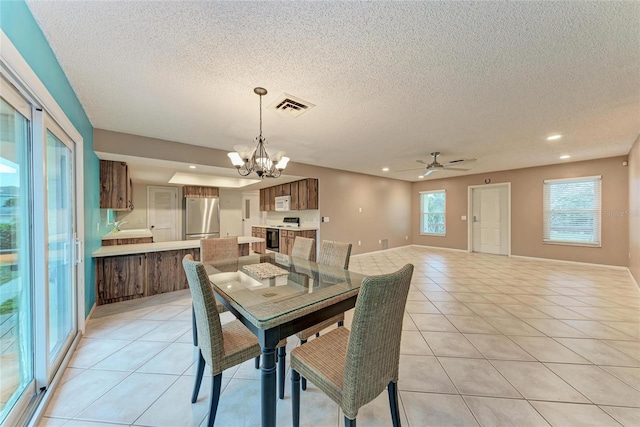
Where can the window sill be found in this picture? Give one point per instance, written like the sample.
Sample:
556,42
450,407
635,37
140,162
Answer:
582,244
433,234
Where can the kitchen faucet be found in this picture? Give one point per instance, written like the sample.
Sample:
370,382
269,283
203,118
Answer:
117,224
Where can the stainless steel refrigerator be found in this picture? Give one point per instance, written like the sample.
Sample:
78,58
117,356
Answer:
201,218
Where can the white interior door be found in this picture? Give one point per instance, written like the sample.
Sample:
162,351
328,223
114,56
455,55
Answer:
490,219
162,213
250,211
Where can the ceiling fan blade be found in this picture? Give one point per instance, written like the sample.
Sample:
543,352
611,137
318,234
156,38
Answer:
406,170
429,172
422,161
456,169
453,162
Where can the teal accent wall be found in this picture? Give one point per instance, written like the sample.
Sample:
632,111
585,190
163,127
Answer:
18,24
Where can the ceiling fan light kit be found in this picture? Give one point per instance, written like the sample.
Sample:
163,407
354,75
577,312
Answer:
266,163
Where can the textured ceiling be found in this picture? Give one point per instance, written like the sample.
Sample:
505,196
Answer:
391,82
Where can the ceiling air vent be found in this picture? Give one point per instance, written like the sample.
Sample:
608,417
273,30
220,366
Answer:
291,106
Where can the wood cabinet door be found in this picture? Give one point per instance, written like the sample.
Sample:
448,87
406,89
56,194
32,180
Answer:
286,189
165,272
272,198
263,200
121,278
293,191
114,183
312,191
303,195
200,191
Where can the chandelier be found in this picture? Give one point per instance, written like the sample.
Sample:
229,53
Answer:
264,162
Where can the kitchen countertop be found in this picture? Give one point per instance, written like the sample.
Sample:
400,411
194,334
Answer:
140,248
287,228
139,233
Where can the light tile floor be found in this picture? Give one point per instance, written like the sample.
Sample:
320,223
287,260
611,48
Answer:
487,340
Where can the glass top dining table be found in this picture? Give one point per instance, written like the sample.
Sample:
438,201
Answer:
275,296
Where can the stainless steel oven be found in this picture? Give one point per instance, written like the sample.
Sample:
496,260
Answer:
273,239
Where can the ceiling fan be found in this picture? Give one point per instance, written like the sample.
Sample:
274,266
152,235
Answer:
436,166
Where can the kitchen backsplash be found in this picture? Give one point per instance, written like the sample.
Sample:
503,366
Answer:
308,218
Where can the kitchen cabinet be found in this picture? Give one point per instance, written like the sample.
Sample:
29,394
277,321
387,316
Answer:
125,277
293,188
120,278
200,191
288,237
283,190
263,200
312,193
261,232
304,195
116,188
111,242
165,272
272,198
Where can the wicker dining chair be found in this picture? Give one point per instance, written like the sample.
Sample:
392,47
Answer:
220,346
214,249
303,247
333,254
353,368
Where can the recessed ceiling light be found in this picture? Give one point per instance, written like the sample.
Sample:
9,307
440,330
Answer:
191,167
553,137
385,169
566,156
421,176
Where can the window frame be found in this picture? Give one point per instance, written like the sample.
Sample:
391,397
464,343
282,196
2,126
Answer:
423,212
596,209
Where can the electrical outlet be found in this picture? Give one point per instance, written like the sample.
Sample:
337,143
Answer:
379,242
360,210
406,237
359,243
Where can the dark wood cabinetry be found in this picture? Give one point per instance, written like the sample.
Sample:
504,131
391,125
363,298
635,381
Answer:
200,191
260,247
294,195
287,238
304,195
112,242
120,278
165,272
116,188
125,277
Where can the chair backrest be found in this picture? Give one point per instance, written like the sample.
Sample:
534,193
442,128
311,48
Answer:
303,247
210,338
217,249
374,340
335,254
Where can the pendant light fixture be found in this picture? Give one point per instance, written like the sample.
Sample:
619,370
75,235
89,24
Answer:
264,162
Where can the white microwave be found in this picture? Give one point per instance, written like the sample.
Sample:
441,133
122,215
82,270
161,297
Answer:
283,203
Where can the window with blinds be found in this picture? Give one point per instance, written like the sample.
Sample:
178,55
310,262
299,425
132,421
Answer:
572,211
433,212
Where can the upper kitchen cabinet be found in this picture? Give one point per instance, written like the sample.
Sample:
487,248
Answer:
304,195
115,186
196,191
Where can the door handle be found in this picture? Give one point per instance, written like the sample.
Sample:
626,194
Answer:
78,246
475,218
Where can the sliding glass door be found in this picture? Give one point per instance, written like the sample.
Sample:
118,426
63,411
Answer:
38,251
16,280
61,243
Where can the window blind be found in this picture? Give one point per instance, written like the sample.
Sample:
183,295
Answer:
572,210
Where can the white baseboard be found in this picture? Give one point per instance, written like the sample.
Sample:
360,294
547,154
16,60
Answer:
438,247
633,279
380,250
590,264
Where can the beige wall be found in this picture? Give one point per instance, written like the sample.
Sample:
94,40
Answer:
526,210
634,210
385,203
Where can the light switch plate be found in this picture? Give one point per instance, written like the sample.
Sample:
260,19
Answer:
464,217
